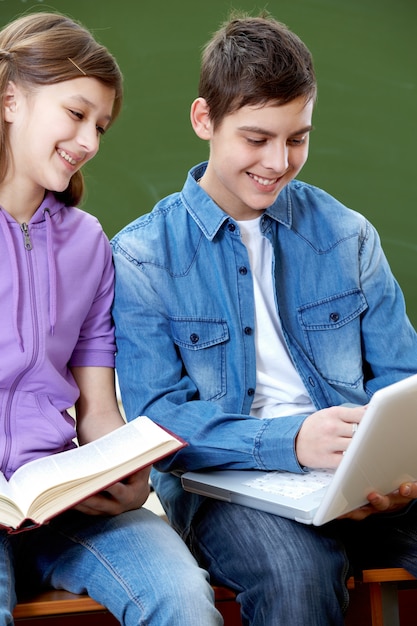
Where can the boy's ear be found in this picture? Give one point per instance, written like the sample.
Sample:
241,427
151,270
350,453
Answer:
200,118
10,101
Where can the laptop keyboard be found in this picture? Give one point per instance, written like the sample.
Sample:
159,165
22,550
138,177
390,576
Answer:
292,485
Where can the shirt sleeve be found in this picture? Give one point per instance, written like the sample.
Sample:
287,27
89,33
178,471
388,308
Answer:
388,338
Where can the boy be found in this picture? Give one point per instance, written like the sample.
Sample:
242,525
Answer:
248,309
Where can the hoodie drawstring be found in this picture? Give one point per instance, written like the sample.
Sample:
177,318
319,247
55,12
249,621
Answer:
51,270
15,276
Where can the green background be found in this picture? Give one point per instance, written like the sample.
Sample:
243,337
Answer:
363,147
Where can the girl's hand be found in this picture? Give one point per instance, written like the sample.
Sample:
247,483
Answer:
122,496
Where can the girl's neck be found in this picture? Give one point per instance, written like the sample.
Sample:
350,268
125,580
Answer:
19,202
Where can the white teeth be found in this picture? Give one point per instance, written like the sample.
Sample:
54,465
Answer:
264,181
67,157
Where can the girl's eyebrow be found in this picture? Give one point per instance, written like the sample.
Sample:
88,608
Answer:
261,131
89,104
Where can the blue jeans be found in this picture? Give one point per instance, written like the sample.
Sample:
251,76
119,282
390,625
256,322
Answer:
134,564
285,572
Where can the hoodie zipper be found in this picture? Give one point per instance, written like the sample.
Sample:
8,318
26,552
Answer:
25,231
35,351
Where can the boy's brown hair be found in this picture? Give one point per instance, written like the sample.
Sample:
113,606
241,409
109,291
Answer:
254,60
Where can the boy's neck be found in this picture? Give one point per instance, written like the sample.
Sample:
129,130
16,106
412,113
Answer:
243,213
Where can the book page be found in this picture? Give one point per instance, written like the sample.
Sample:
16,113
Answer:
9,512
4,486
130,441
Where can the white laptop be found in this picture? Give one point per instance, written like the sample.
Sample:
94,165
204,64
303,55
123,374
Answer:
381,456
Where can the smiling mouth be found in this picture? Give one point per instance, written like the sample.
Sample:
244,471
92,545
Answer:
67,157
265,182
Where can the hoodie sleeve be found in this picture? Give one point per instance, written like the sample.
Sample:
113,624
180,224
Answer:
96,343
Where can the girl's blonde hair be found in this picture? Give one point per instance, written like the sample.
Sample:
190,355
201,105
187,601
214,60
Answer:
48,48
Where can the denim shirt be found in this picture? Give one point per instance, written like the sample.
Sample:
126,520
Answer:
184,315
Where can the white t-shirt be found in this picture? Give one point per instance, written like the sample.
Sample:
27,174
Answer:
279,388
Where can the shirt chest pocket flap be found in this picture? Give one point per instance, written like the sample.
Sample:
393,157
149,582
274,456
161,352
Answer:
331,329
202,346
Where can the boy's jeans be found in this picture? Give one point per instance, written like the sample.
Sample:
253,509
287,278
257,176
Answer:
288,573
133,563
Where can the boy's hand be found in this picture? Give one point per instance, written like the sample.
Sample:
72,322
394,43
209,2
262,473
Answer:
325,435
390,503
120,497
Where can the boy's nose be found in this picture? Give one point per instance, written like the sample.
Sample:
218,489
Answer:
277,158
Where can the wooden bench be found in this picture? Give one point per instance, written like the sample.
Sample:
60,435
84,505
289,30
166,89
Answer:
382,584
56,604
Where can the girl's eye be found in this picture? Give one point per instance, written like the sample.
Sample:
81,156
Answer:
81,116
76,114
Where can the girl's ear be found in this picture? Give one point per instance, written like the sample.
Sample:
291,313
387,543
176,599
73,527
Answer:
200,119
10,102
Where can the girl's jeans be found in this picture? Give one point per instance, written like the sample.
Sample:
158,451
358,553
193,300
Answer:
133,563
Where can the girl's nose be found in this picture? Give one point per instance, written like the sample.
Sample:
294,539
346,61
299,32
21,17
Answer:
89,139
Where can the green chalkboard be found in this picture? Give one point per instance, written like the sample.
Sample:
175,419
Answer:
363,146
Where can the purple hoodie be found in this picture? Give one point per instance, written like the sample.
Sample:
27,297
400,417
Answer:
56,291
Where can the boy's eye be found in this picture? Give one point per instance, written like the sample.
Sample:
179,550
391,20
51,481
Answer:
100,130
255,142
297,141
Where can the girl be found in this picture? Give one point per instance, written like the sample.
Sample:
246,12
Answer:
59,92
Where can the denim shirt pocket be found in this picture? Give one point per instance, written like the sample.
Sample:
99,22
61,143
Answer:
202,344
331,329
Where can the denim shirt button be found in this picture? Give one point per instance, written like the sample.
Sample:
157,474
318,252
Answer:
334,317
311,381
243,270
251,391
194,338
248,330
231,227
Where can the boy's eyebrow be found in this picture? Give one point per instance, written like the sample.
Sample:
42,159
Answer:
262,131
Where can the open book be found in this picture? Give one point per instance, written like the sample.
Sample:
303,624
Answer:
47,486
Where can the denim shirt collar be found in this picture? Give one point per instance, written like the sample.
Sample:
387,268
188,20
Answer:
210,217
